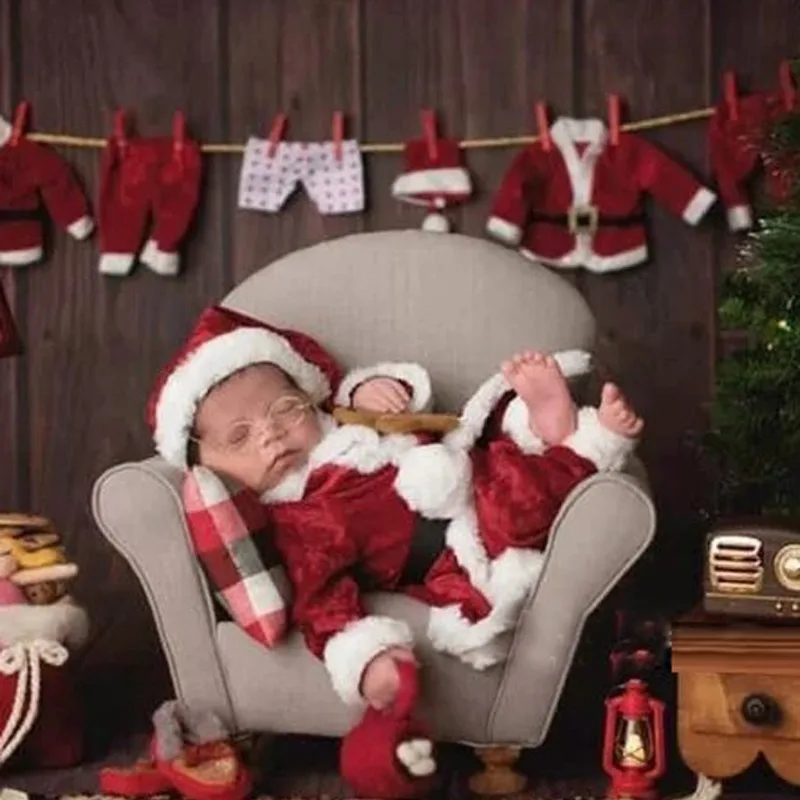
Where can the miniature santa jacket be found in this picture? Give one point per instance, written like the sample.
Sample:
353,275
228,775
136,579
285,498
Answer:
579,203
28,171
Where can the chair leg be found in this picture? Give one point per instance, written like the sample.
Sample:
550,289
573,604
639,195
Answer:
498,776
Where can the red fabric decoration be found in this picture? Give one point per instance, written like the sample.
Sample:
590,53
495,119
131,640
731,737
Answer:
370,758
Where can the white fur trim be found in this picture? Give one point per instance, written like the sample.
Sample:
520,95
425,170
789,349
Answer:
117,264
348,652
434,480
740,218
698,206
160,262
5,131
607,450
436,223
582,255
565,131
81,228
503,230
61,622
449,181
149,252
516,425
211,363
414,375
19,258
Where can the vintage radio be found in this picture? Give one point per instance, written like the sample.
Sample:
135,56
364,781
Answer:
752,569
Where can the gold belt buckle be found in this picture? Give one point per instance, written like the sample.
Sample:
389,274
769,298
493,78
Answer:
582,219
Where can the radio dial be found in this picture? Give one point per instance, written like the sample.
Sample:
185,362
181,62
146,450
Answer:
787,567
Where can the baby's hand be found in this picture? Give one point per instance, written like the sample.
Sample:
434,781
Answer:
382,396
381,680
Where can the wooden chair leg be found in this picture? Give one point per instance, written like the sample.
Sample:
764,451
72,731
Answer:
498,776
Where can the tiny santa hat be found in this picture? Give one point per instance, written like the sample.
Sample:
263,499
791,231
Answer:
222,342
433,174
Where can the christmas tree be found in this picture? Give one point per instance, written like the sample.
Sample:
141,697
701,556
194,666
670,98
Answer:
755,419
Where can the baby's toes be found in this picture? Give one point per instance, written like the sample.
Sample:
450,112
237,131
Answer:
411,756
424,747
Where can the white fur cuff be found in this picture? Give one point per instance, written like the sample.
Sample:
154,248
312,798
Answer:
413,374
348,652
607,450
434,480
516,425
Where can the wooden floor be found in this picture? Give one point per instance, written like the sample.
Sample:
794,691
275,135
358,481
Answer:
304,767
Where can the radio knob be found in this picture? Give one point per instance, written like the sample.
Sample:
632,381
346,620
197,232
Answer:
761,710
791,568
787,567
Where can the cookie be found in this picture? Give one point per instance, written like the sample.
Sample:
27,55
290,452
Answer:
54,572
17,520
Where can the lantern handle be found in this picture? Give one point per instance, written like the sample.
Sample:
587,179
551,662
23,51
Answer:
657,770
612,704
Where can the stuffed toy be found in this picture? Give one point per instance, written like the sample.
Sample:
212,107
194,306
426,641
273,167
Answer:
389,754
191,753
40,626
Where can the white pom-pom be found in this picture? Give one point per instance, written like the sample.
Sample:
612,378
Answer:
434,480
436,223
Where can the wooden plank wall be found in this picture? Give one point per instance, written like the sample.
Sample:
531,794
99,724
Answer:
74,404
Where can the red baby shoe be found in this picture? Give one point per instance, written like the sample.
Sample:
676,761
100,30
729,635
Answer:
210,771
141,779
389,754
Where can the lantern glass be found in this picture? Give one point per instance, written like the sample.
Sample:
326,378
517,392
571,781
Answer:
633,743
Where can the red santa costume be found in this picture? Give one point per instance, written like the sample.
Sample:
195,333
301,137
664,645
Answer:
459,524
578,201
28,171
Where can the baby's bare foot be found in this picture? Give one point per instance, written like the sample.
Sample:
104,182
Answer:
616,414
540,384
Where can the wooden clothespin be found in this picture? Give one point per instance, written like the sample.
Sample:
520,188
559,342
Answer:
430,134
613,119
543,125
276,133
786,81
337,134
20,122
178,135
121,129
731,94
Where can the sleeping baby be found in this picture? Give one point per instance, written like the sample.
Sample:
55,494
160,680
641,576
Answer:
275,484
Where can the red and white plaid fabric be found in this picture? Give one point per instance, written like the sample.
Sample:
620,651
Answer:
232,540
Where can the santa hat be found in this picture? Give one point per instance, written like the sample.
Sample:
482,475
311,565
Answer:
223,342
433,176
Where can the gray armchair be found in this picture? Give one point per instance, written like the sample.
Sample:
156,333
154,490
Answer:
458,305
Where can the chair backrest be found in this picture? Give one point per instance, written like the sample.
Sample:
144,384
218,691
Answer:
456,304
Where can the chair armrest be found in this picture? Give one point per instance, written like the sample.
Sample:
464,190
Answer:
603,528
138,508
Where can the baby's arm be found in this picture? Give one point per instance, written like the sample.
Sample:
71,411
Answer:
328,610
387,388
232,541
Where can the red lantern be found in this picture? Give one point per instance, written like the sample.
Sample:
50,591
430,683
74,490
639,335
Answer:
633,746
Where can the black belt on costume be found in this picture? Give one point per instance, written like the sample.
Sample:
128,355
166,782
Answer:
16,214
427,544
588,219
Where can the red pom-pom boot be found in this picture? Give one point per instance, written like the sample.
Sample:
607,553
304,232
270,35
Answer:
389,753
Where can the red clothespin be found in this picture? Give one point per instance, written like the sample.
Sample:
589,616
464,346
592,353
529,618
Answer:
276,133
338,134
786,80
20,122
543,124
429,131
120,130
613,119
178,135
731,94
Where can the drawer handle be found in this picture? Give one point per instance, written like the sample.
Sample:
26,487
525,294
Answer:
761,710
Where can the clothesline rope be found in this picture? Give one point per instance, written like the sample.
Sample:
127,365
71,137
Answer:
67,140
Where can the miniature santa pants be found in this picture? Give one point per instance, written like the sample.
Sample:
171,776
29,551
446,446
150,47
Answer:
10,344
142,178
334,181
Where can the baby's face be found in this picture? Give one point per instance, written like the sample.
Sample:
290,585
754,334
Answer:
256,427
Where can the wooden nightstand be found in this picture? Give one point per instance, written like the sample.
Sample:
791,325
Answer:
738,694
